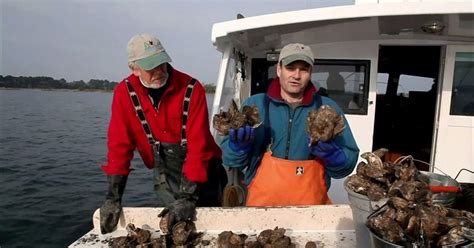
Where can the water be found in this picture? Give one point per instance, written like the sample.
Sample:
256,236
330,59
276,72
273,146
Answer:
51,146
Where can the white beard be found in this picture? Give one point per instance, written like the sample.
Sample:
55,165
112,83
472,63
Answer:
154,86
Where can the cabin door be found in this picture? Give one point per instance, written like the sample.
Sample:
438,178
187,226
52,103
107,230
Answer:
405,110
454,144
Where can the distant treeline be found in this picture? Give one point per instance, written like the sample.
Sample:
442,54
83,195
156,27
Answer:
51,83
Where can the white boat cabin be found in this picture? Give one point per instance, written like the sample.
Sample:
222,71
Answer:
402,71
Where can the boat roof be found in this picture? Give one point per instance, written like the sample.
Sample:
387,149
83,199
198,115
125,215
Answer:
390,18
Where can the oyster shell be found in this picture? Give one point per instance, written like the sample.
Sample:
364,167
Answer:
324,124
181,232
235,119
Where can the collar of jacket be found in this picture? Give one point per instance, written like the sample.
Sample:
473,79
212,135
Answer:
138,86
274,92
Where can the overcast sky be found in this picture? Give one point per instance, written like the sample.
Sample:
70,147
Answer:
86,39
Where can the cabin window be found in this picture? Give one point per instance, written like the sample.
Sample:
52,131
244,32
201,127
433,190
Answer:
382,81
462,99
413,85
344,81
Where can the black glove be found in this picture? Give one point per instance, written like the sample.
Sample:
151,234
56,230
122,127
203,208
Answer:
182,209
112,208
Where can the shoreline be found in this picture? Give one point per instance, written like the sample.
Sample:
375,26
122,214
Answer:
48,89
62,90
77,90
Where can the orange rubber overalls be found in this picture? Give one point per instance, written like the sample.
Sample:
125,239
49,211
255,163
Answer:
281,182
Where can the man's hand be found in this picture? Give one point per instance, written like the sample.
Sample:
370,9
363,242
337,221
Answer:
331,154
112,208
241,140
180,210
109,215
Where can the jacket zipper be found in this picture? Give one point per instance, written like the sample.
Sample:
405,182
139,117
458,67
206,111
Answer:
291,114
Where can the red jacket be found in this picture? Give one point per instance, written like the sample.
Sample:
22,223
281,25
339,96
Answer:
126,133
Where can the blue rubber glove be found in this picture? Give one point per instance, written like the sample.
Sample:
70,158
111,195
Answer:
331,154
241,140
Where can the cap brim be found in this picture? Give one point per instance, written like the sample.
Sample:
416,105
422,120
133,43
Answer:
295,57
153,61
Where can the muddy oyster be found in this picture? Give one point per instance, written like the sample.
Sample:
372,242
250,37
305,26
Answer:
235,119
324,124
228,239
410,217
140,235
137,237
181,232
267,238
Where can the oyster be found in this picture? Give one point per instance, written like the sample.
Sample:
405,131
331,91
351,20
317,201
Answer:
386,228
122,241
398,202
136,237
310,244
138,234
235,119
374,161
181,232
164,224
358,184
402,217
380,152
274,238
253,244
428,221
454,236
376,192
406,172
408,190
228,239
324,124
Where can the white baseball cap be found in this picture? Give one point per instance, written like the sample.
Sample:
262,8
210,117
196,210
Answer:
146,51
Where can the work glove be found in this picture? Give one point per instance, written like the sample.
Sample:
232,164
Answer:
241,140
329,152
182,209
112,208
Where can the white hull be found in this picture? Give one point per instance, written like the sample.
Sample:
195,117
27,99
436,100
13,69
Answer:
329,226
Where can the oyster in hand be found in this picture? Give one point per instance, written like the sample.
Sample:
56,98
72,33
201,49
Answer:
235,119
324,124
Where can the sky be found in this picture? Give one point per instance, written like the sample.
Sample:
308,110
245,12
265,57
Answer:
86,39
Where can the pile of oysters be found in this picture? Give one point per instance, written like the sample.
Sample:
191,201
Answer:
273,238
268,238
137,237
235,119
183,234
409,216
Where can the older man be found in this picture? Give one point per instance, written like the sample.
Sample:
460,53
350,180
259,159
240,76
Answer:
281,167
162,113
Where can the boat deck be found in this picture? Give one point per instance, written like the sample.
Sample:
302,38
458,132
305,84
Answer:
327,226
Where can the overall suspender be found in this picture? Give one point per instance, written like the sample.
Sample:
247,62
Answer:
184,120
141,115
146,127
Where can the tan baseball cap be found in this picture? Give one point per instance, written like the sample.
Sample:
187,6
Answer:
296,51
146,51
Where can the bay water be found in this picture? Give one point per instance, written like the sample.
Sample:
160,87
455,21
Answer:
52,144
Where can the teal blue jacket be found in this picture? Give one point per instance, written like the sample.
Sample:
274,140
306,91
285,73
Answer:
288,138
